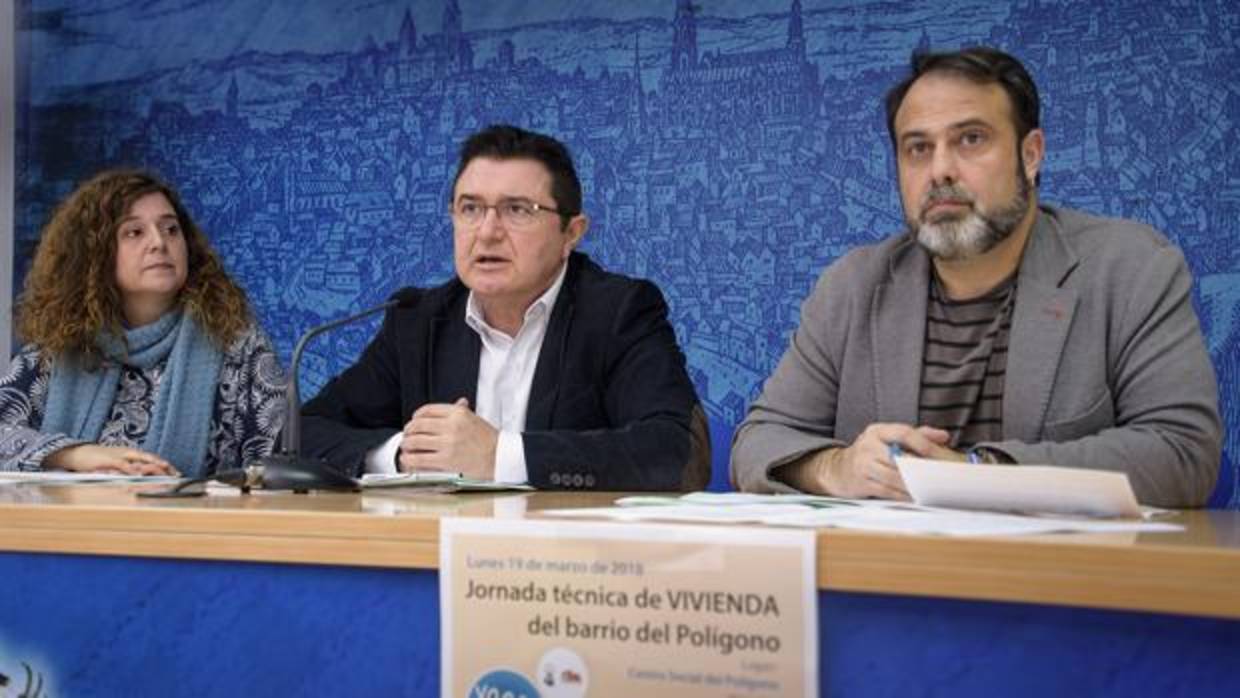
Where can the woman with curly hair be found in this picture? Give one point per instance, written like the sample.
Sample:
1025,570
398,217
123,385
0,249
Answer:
143,355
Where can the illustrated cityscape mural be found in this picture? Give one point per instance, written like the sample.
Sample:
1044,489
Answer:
728,150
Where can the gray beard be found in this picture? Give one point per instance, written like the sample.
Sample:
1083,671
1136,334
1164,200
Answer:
976,233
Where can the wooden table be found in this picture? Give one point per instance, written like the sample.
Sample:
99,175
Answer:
59,530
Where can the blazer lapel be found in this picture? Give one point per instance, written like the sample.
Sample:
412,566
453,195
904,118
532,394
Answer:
545,388
452,372
898,328
1040,323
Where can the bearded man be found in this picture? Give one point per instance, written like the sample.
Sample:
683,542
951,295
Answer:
995,329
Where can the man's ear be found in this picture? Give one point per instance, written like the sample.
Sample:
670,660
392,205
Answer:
1032,148
577,227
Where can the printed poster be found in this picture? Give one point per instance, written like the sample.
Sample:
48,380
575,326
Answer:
553,609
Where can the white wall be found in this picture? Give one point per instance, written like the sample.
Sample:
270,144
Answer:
7,127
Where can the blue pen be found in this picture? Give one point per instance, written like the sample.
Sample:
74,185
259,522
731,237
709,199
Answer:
893,450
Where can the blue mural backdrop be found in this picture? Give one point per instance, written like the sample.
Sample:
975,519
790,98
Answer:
729,150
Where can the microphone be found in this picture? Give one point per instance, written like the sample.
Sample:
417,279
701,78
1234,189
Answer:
277,474
287,469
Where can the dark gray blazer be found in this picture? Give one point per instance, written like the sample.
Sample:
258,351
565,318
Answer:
1106,365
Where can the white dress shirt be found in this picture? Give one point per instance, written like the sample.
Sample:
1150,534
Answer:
505,375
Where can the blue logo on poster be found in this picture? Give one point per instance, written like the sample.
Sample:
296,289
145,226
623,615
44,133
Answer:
503,684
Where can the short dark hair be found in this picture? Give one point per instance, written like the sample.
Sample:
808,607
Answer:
979,64
505,142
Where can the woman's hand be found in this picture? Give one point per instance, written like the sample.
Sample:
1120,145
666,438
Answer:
93,458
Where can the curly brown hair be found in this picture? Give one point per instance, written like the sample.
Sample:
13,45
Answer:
71,295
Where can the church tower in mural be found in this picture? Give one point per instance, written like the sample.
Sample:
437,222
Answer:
684,38
774,87
408,59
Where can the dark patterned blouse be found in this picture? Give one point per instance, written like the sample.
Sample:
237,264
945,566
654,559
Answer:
246,421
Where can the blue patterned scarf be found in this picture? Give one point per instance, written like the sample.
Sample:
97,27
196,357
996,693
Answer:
79,402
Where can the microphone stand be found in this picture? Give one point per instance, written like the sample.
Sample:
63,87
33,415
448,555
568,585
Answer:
287,469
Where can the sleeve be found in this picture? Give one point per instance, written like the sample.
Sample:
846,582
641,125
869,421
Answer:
358,410
23,395
1164,430
256,415
796,412
649,401
510,465
382,458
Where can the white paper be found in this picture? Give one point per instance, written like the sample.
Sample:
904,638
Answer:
695,513
65,477
1024,488
732,499
959,523
440,481
868,515
425,477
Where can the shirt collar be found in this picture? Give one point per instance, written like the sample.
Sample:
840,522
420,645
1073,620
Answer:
540,307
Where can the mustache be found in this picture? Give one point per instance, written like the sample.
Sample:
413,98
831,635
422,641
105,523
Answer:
946,192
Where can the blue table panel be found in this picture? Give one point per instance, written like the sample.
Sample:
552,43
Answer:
113,626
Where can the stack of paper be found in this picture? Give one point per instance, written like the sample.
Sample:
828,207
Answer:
810,511
62,477
439,481
1035,489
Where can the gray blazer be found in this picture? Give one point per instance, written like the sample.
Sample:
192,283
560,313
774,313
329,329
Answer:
1106,365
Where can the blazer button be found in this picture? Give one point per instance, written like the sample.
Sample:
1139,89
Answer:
555,478
589,481
578,480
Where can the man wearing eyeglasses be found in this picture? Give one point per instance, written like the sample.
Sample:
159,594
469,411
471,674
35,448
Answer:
533,365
